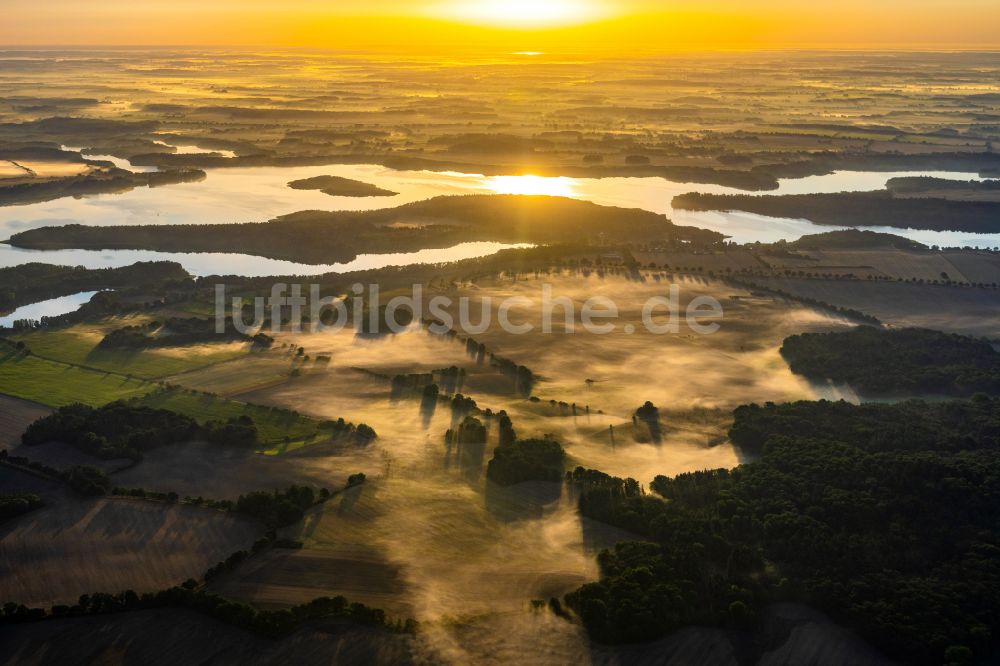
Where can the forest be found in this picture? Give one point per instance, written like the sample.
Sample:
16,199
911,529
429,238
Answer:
919,184
92,182
900,361
854,209
33,282
326,237
883,516
123,430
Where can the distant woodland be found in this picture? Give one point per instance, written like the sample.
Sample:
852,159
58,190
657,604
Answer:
917,184
897,361
327,237
29,283
853,239
96,182
858,209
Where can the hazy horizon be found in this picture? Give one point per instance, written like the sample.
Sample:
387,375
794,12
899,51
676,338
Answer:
622,27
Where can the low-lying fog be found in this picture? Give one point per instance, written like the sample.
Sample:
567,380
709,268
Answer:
430,536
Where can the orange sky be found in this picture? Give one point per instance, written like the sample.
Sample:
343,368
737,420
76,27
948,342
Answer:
578,25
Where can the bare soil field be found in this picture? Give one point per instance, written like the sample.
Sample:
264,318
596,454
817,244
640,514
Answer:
15,416
344,554
963,266
63,456
202,469
426,542
57,553
971,311
977,267
734,260
283,577
16,481
166,637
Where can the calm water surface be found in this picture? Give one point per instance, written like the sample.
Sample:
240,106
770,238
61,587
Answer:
257,194
49,308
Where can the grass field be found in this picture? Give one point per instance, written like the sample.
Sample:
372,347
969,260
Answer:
57,384
279,429
40,380
241,375
77,345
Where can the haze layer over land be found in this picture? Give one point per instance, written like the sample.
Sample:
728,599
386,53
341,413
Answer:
188,476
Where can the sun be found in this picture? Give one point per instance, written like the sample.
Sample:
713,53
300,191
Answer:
557,186
522,13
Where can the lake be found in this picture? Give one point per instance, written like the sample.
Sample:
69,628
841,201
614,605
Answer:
50,308
257,194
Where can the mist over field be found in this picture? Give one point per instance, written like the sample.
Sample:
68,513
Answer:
499,333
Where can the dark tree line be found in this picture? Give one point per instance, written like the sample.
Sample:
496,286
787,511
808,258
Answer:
84,479
178,331
915,425
852,209
268,623
449,380
521,375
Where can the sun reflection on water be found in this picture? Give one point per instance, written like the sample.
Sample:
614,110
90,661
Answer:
558,186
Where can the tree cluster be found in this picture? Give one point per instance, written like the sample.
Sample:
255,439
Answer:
14,504
277,508
526,460
127,430
884,516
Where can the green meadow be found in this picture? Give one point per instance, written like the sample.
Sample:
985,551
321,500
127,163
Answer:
58,384
78,345
280,430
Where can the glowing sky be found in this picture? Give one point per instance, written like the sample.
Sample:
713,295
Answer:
621,25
